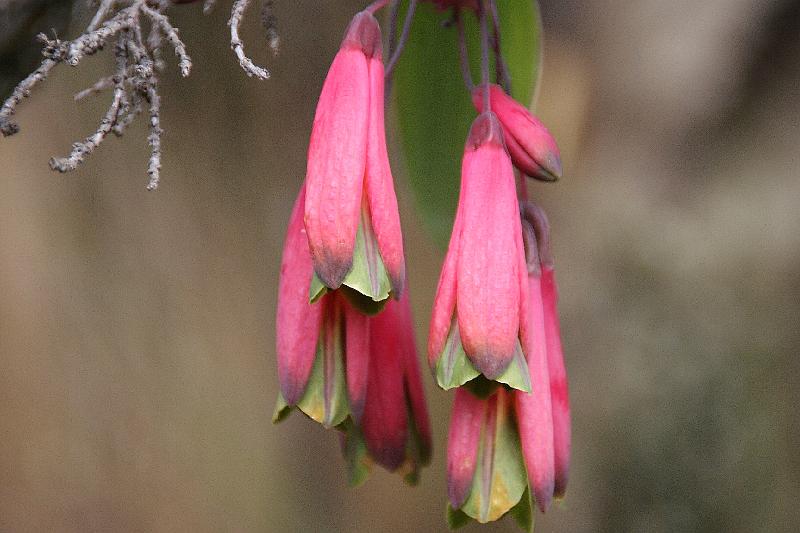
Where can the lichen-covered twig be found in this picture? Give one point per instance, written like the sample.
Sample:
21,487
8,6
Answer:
134,81
208,6
170,33
54,52
250,68
154,138
82,149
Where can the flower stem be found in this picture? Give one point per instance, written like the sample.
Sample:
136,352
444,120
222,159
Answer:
376,5
503,76
395,54
487,104
462,51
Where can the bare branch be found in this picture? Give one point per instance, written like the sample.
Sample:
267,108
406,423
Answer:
154,167
102,12
54,52
171,34
80,150
250,68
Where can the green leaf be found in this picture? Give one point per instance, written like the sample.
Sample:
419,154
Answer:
433,108
325,398
368,277
516,374
500,478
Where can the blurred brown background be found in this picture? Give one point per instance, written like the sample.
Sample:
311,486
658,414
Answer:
137,370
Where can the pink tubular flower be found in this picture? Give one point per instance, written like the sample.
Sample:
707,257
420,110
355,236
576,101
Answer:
559,391
486,475
480,299
532,147
395,422
503,441
351,210
347,370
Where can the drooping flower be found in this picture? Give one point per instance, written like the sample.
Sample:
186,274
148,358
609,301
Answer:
394,426
347,370
535,218
505,441
477,322
351,210
532,148
486,476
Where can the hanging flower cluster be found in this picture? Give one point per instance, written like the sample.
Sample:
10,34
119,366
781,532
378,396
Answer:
346,348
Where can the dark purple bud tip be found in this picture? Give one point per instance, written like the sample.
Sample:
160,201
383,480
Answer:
364,33
544,496
458,490
536,217
491,364
485,129
292,388
549,168
560,487
332,272
531,249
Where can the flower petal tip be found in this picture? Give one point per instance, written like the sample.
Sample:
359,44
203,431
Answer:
489,363
332,272
544,495
364,33
486,129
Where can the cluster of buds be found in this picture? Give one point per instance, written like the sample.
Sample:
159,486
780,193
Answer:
346,349
347,355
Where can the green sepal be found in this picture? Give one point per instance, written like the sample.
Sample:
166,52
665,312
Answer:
495,493
482,387
359,464
456,518
281,411
418,454
453,368
516,374
522,513
317,289
326,402
368,275
365,304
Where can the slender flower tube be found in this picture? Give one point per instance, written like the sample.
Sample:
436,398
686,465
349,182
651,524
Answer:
395,422
347,370
533,149
559,390
534,409
476,325
351,212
